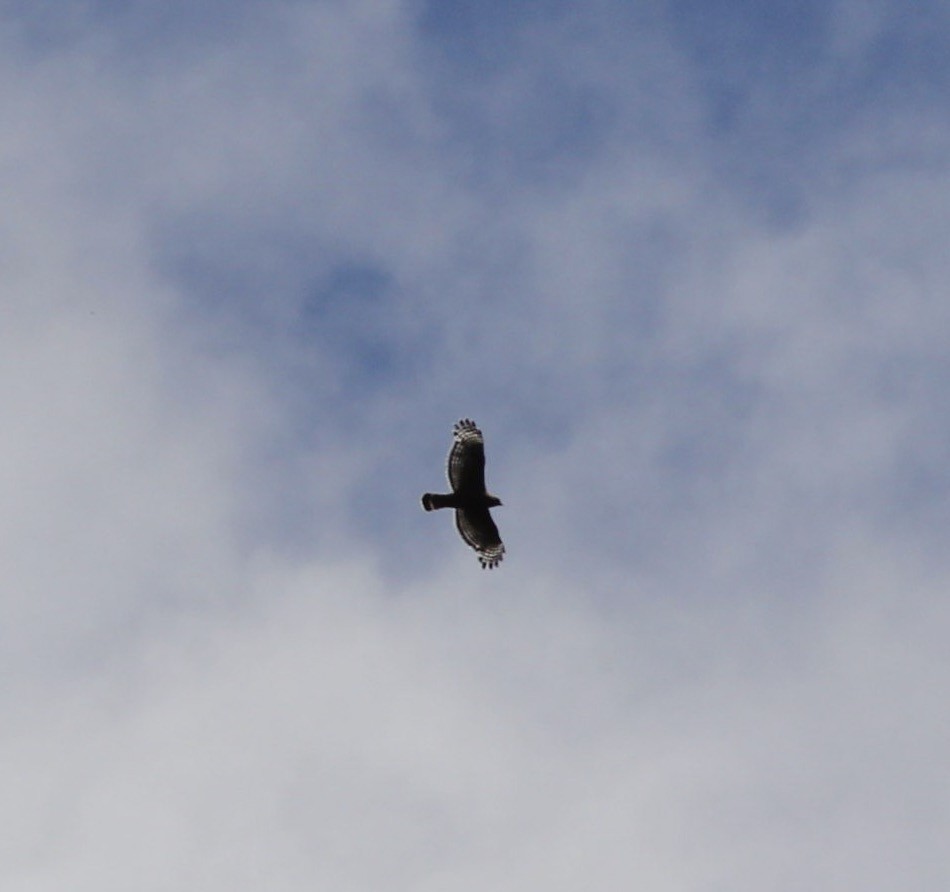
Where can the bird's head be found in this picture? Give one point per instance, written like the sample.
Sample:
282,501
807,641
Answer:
493,501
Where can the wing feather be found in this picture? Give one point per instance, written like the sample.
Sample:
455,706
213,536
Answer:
466,468
477,528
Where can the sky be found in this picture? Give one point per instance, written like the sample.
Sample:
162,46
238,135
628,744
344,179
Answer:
684,263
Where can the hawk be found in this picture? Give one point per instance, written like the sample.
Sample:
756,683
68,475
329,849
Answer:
469,497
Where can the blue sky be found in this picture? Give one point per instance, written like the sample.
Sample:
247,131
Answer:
685,265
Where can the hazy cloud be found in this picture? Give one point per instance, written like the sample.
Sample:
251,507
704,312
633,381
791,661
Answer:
683,265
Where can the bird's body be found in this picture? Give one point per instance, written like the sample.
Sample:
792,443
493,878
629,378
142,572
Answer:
469,497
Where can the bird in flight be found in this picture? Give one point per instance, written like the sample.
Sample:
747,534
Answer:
469,497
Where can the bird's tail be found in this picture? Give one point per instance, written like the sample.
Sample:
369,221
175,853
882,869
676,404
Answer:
431,501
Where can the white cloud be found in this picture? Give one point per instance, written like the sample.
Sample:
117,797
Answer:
455,736
239,655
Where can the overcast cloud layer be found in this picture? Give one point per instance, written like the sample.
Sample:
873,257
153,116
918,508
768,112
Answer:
684,262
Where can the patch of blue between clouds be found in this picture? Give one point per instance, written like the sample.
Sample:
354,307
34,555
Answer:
780,93
479,37
547,122
343,315
352,305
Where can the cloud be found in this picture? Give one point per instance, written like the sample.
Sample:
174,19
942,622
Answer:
338,732
254,270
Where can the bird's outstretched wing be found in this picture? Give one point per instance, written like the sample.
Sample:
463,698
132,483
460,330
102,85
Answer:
478,529
467,459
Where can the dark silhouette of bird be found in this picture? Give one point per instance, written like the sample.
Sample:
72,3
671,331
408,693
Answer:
469,497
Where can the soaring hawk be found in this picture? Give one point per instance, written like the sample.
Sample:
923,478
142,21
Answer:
469,497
